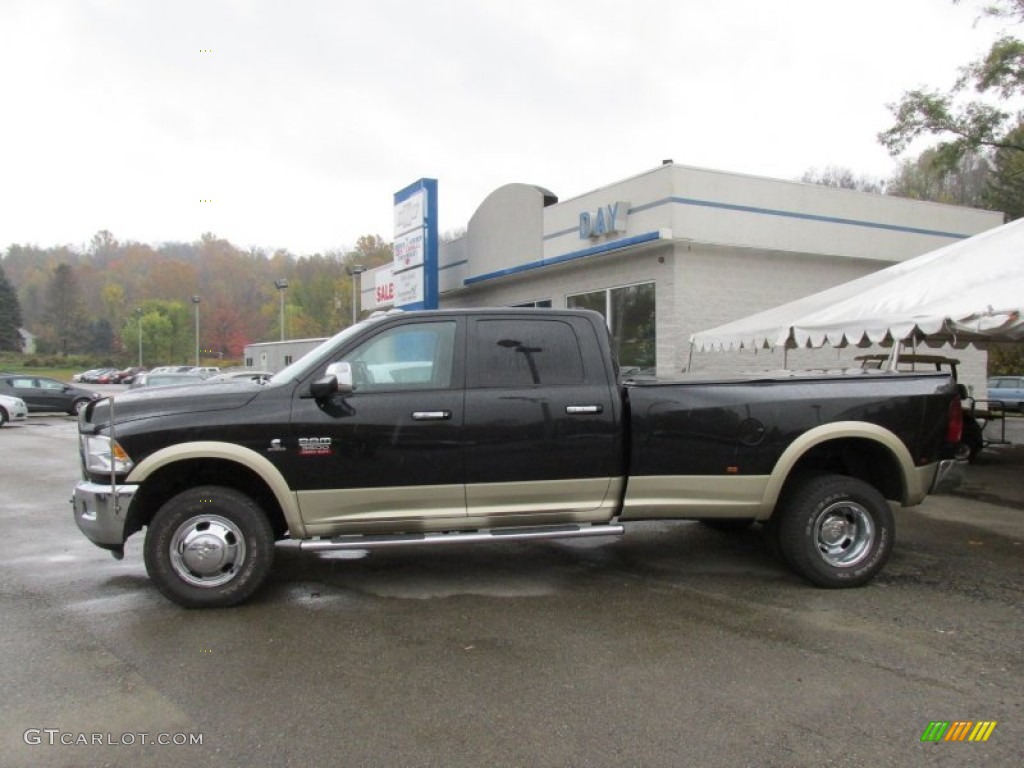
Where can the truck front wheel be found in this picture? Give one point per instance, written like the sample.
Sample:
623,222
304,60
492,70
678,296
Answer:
209,547
835,531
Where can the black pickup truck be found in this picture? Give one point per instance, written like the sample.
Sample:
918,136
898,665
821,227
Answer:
495,425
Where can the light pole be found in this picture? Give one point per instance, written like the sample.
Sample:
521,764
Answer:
195,300
138,323
282,285
355,270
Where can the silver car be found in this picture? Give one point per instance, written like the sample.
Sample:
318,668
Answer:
12,409
1009,390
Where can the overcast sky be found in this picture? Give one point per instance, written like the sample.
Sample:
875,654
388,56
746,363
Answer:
304,117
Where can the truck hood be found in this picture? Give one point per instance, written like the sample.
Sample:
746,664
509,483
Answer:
162,401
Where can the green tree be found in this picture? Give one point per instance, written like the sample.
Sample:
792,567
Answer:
1005,360
967,125
10,315
1005,189
167,333
101,337
65,318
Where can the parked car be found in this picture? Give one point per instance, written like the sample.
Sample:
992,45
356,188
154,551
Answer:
152,379
41,393
12,409
1009,390
95,376
260,377
127,376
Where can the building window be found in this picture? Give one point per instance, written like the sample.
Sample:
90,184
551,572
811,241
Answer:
248,362
541,304
630,313
287,359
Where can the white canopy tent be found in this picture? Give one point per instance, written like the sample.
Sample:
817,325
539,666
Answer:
969,291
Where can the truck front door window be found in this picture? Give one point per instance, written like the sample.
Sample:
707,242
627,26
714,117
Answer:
415,356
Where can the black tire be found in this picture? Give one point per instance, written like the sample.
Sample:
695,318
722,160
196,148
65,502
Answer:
972,438
77,406
727,524
3,416
209,547
835,531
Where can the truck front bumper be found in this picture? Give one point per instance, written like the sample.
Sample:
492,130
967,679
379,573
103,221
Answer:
949,475
101,511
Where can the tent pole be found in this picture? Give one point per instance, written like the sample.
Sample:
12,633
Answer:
894,356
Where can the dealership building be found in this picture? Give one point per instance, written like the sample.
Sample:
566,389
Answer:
661,255
677,249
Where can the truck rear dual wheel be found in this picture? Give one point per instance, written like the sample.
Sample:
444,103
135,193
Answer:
835,531
209,547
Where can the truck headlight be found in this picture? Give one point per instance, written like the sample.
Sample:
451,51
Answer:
100,455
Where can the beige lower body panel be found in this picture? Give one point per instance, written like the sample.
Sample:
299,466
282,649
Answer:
695,497
920,484
590,500
457,507
329,510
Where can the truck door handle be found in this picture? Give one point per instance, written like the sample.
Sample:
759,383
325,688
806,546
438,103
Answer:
431,415
579,409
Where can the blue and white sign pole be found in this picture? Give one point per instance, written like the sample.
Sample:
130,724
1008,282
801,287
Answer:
416,246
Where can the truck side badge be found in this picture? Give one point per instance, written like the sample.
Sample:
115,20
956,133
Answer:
314,446
275,445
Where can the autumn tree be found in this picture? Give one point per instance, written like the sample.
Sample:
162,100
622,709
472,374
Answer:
225,332
10,315
111,279
370,251
842,178
925,178
104,246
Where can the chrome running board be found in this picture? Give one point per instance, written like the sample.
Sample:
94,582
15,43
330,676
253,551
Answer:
460,537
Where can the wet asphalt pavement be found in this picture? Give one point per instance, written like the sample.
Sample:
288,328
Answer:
671,646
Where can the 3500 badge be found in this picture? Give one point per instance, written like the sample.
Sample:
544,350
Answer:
314,446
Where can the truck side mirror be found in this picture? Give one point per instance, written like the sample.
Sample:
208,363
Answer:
342,372
337,380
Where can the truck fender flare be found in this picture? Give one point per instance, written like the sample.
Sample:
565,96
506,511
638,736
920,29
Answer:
229,452
836,431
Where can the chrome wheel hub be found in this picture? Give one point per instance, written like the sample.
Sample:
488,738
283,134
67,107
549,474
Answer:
207,550
844,533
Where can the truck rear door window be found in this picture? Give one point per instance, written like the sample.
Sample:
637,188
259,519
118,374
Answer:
524,353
